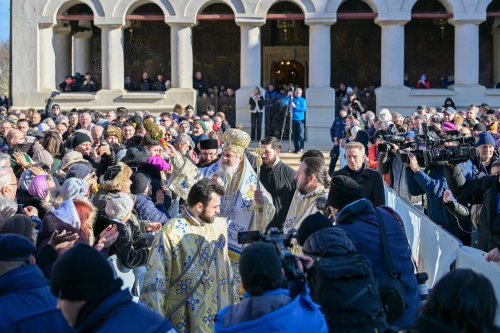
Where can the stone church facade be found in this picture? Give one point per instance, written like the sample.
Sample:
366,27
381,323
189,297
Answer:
46,47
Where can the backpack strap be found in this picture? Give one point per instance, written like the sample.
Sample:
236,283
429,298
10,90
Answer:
385,245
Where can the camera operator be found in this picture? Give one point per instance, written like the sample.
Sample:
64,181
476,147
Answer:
432,183
355,106
487,156
484,191
391,162
267,307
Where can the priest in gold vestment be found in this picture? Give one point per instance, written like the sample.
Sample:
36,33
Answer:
189,276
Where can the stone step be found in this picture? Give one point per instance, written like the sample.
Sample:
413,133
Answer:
293,160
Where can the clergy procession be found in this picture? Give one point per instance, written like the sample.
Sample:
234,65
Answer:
132,222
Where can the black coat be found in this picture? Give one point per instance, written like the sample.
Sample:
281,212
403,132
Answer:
479,191
279,182
131,246
371,180
253,105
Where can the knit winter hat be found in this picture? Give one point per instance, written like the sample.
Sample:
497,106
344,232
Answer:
80,138
260,258
25,179
79,170
140,183
485,138
40,155
73,188
203,125
172,130
119,206
343,191
310,225
15,248
83,274
480,127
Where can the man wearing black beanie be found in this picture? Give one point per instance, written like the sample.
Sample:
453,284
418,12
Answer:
358,217
91,299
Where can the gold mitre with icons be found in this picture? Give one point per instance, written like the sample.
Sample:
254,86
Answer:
236,141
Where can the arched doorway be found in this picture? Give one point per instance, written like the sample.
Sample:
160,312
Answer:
146,47
216,54
285,71
78,46
489,40
355,47
430,46
285,57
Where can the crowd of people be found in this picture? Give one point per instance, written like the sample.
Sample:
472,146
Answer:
165,197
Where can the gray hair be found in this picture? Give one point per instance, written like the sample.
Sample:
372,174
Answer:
5,177
184,138
4,158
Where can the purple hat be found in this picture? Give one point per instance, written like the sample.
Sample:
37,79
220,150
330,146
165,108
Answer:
158,162
39,187
449,126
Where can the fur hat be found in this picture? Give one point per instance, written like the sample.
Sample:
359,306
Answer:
113,131
115,177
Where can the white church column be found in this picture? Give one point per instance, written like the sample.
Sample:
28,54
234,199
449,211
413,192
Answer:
393,56
112,57
320,97
83,51
181,55
46,59
62,52
466,53
319,55
250,59
250,70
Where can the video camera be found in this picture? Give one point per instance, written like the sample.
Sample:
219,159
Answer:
294,279
428,147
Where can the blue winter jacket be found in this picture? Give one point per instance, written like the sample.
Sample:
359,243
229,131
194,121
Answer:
338,128
358,219
119,314
299,111
26,303
432,182
300,314
146,210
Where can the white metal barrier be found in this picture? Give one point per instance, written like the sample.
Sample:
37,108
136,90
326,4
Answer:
435,250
